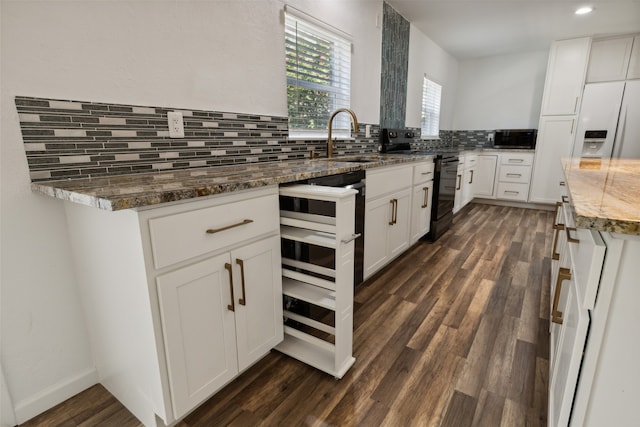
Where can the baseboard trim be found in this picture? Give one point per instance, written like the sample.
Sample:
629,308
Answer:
526,205
57,393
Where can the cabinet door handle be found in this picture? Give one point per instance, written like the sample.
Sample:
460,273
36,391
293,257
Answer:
394,211
232,306
555,255
352,238
562,184
565,199
569,238
555,215
458,182
563,274
471,180
575,107
217,230
572,123
243,300
425,201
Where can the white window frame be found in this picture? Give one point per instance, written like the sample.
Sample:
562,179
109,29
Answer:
431,103
339,88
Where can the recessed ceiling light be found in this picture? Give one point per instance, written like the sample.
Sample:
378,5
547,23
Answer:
584,10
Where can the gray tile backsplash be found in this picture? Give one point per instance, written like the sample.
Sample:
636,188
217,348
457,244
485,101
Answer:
74,139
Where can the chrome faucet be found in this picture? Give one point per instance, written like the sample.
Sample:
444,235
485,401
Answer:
354,121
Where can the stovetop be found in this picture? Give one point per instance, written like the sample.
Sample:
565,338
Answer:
398,141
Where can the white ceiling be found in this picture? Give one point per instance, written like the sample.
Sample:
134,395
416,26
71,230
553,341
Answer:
476,28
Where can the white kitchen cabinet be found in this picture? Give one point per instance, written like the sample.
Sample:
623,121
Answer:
459,189
555,139
565,76
593,375
219,316
485,176
609,59
387,215
514,175
421,200
310,281
469,178
634,62
157,309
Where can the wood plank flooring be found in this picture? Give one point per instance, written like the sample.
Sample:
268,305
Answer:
453,333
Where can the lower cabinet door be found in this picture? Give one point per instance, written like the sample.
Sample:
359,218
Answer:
378,215
258,297
568,357
199,331
399,231
421,210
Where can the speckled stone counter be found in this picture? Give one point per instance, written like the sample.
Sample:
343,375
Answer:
605,195
140,190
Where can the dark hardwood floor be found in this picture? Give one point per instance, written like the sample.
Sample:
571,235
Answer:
453,333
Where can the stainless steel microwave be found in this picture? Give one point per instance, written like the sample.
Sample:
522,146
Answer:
515,138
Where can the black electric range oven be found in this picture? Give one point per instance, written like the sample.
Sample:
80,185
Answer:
398,141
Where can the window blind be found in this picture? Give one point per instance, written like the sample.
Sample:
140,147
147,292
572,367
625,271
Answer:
431,95
318,67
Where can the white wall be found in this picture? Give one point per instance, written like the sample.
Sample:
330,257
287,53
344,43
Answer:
503,91
426,57
213,55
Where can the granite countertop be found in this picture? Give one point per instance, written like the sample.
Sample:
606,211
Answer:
141,190
605,194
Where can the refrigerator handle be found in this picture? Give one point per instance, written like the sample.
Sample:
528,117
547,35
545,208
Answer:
619,139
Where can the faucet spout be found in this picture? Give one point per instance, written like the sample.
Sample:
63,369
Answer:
354,122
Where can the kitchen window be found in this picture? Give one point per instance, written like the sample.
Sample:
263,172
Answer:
318,67
431,96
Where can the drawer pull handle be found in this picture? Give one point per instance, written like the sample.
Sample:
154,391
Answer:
563,274
458,182
569,238
232,306
352,238
511,192
425,201
217,230
426,173
565,199
517,175
555,215
515,160
243,300
562,184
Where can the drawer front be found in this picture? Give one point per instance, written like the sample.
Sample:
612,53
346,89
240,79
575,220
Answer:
185,235
516,159
470,161
513,191
518,174
423,172
386,181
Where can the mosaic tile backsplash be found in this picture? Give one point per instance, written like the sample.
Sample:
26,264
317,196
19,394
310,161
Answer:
74,139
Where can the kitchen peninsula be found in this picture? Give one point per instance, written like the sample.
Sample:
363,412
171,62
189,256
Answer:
593,372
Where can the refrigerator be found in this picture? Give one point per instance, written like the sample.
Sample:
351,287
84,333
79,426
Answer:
609,121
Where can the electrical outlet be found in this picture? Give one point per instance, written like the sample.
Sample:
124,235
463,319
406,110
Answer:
490,137
367,131
176,124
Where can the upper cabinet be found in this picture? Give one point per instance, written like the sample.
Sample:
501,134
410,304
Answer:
565,76
609,59
634,63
